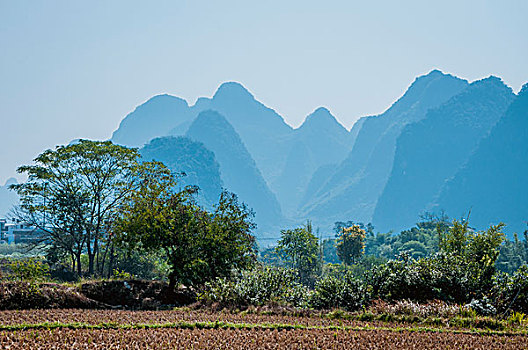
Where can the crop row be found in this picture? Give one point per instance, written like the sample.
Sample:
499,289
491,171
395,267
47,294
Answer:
17,317
196,338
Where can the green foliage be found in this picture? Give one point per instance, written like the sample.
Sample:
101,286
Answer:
259,286
517,319
417,242
330,251
350,244
339,290
513,254
510,292
72,194
478,252
150,265
30,270
199,245
454,240
461,272
120,275
20,250
299,248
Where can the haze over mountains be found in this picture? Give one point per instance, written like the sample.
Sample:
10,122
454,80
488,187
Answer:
444,145
493,182
358,181
8,198
431,151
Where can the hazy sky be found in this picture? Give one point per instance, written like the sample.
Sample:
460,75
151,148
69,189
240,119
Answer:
72,69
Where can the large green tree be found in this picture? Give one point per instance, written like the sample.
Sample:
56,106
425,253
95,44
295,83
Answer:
199,245
351,244
73,194
299,247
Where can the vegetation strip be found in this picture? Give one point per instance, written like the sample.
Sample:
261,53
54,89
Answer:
248,326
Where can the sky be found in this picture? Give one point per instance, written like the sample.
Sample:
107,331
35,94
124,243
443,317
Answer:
74,69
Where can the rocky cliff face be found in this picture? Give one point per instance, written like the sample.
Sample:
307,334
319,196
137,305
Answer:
238,170
431,151
493,182
352,191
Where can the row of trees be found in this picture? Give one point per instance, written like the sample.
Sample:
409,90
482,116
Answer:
463,271
101,206
97,200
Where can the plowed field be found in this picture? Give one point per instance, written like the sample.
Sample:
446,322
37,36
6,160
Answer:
184,329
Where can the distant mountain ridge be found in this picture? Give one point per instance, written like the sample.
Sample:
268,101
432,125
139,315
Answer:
152,119
353,188
237,168
183,155
322,172
431,151
493,184
321,140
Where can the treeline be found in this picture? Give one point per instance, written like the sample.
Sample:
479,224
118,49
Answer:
421,241
103,212
454,264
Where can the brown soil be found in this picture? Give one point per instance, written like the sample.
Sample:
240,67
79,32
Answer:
251,339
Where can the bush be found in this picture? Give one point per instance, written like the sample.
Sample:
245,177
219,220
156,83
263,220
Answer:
258,286
482,307
443,277
510,292
28,270
337,290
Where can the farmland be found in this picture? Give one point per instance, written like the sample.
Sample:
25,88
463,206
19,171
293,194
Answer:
198,329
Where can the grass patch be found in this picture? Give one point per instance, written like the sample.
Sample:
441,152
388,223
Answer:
249,326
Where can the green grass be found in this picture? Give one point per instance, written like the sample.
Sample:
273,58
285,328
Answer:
251,326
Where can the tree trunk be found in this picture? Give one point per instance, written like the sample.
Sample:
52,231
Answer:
111,262
91,257
72,257
172,282
79,270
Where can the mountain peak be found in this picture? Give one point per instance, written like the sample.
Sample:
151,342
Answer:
232,89
435,72
432,75
10,181
491,80
430,86
323,111
321,120
162,98
321,116
524,90
209,118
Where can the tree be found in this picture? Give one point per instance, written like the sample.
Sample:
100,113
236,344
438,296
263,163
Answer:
300,249
199,245
351,244
474,252
73,193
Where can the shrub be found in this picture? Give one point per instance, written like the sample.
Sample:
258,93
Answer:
482,306
261,285
517,319
443,276
120,275
510,292
28,270
337,290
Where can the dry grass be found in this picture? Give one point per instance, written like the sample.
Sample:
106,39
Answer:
200,329
251,339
